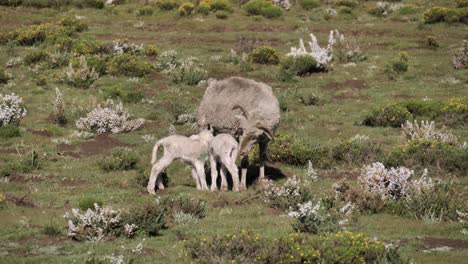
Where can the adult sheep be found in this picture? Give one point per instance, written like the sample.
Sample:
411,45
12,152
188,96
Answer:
246,109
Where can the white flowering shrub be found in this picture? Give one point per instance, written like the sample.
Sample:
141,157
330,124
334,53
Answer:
167,60
122,46
287,196
463,219
390,183
460,59
311,174
346,49
427,130
358,138
182,218
384,8
109,119
323,56
12,109
94,224
81,75
188,72
13,62
58,110
130,230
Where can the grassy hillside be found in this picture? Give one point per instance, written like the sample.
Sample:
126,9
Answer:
46,169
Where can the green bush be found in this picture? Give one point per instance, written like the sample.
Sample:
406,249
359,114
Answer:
264,55
123,93
262,8
355,151
151,50
451,113
398,66
188,73
187,205
34,56
97,62
292,66
408,9
347,3
203,8
52,230
87,202
444,14
88,3
9,131
10,2
149,218
145,11
309,99
87,46
221,14
427,153
462,3
4,77
186,9
249,247
309,4
345,10
128,65
167,4
121,159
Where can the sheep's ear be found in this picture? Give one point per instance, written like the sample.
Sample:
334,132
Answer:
266,131
244,112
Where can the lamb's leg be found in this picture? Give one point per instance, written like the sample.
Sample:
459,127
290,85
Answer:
224,185
214,174
244,166
195,178
232,168
262,159
201,174
157,168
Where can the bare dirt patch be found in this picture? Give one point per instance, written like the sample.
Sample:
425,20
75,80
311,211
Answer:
353,84
8,151
101,144
345,96
435,242
19,201
41,133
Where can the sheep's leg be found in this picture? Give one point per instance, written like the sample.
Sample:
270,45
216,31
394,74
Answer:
214,174
224,185
262,159
232,168
157,168
244,166
201,174
195,178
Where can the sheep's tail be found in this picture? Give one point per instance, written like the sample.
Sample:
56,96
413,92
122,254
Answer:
154,156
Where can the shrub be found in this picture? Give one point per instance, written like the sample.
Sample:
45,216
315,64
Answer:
221,14
203,8
309,4
462,3
425,152
459,61
95,224
87,46
167,4
188,72
398,66
120,159
186,205
345,10
123,93
88,202
217,5
442,14
309,99
9,131
289,196
357,149
145,11
109,118
392,115
151,50
428,131
128,65
52,230
186,9
80,75
408,9
432,42
58,110
149,219
383,8
264,55
12,109
292,66
4,77
99,4
34,56
262,8
347,3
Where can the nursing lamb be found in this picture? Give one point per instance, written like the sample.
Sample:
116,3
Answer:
245,109
193,150
223,149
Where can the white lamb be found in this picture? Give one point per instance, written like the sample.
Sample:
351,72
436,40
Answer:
193,150
223,149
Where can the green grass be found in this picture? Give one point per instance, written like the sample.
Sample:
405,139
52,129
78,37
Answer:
64,180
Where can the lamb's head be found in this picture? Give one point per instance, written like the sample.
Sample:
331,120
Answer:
204,136
253,131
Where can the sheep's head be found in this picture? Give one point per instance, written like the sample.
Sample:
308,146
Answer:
205,135
253,131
